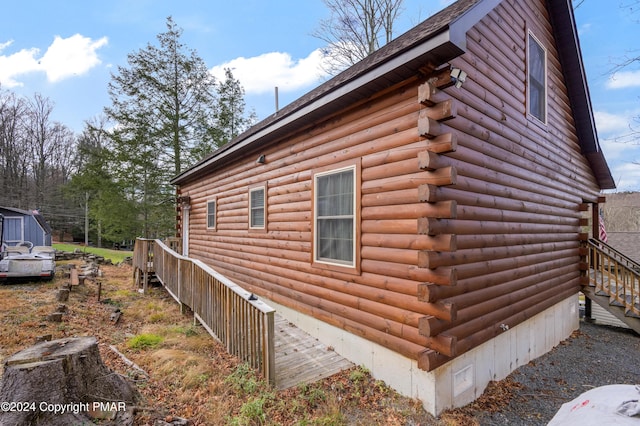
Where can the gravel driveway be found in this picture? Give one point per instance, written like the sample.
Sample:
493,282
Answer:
594,356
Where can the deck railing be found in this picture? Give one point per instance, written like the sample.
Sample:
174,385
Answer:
231,314
614,274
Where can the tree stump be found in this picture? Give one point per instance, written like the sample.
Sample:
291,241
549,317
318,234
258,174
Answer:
63,382
63,295
55,317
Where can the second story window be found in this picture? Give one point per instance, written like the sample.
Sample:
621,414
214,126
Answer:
537,79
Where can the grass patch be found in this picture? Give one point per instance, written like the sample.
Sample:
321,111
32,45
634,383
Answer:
245,381
186,330
156,317
116,256
253,411
144,341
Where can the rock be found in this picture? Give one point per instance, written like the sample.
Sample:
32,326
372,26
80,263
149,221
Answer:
173,421
115,316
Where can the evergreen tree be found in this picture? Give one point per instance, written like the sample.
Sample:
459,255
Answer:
163,105
113,214
167,94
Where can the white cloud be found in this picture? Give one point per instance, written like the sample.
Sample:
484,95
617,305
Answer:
612,124
584,28
65,58
5,45
617,140
624,79
71,56
620,147
16,64
627,176
260,74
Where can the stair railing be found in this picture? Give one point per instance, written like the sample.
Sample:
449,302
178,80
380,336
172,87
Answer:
234,316
615,275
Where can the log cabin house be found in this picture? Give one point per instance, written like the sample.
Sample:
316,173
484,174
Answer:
421,212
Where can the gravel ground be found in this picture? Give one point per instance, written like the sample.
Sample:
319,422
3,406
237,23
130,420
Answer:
594,356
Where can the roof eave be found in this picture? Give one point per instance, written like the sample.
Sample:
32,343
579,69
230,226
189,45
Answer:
564,27
440,47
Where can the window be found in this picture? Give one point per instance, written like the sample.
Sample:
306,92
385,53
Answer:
335,217
537,76
256,208
211,214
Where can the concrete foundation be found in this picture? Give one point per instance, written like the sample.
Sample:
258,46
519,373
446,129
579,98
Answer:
465,378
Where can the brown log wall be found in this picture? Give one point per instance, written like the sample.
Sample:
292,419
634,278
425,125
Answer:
470,214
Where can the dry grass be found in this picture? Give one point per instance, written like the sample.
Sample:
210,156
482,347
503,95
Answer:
190,374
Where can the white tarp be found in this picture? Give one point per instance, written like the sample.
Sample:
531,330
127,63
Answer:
606,405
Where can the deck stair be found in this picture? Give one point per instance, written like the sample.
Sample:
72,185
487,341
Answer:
612,280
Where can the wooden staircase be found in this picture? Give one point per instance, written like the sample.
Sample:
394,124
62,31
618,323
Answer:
612,280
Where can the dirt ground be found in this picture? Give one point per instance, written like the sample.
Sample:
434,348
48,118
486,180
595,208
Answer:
181,372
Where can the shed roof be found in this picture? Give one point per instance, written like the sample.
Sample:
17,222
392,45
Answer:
438,39
35,213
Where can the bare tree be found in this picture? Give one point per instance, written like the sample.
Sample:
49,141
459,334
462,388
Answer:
39,139
14,154
36,155
622,212
355,29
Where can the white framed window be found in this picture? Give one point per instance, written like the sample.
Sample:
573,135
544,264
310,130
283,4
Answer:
335,208
211,214
257,208
536,78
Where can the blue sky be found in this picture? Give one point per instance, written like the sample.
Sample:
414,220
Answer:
67,49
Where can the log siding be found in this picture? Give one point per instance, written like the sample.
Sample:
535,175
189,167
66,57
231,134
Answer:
468,209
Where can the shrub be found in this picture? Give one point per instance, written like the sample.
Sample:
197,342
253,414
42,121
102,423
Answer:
143,341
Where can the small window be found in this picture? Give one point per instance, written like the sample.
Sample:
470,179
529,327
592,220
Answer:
537,76
335,220
211,214
256,208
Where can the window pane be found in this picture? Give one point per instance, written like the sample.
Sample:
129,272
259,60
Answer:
257,208
537,79
335,206
335,194
335,239
211,214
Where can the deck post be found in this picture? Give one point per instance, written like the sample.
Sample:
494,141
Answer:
145,271
183,309
270,354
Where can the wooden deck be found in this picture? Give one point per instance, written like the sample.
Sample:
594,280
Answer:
301,358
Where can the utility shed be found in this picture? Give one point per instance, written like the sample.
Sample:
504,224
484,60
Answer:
421,212
25,225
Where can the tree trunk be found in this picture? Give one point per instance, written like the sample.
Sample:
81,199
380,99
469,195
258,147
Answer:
67,376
